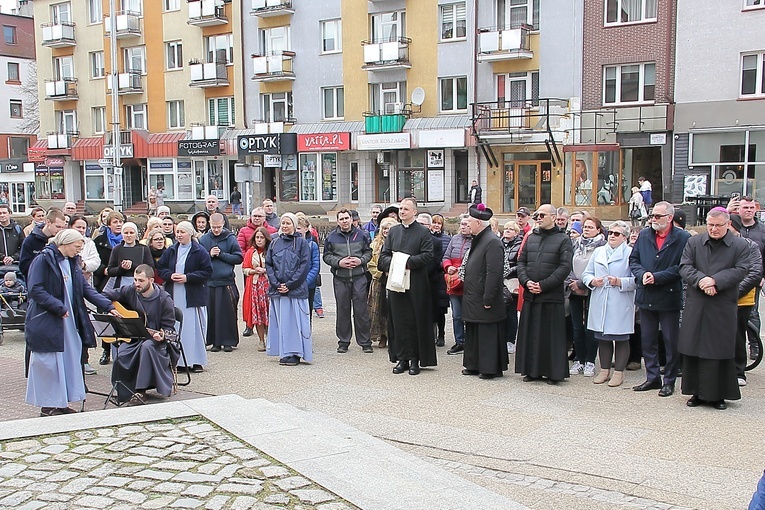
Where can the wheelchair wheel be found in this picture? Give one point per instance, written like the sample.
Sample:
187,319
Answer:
752,364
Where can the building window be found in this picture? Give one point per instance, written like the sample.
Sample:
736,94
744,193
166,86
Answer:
453,21
135,59
172,5
630,11
219,49
176,116
334,103
454,94
388,27
754,4
9,34
66,122
753,75
518,90
97,65
512,14
63,68
318,176
222,111
593,179
13,72
631,83
19,146
136,116
98,114
277,107
387,98
61,13
331,36
132,6
16,109
174,55
275,40
95,11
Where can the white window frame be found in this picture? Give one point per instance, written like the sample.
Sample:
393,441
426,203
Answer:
11,79
452,11
174,48
61,13
132,6
20,104
759,81
382,23
176,119
268,101
275,39
336,27
95,12
66,121
137,116
98,117
97,65
750,5
171,5
63,67
504,13
644,16
378,103
442,83
135,55
525,77
338,105
641,84
214,119
214,43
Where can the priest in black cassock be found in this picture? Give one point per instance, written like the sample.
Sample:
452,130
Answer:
411,344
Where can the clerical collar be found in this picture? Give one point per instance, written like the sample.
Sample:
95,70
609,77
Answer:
409,224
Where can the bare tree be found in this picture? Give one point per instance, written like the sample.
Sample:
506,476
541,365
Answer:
31,98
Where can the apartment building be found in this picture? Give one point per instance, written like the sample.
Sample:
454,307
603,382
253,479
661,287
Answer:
720,112
18,112
179,93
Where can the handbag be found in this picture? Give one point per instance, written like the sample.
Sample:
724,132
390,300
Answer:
318,280
453,283
512,285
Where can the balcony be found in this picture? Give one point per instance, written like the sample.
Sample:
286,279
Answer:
61,90
269,8
389,123
127,83
273,66
211,74
384,55
62,140
497,44
602,125
58,35
128,24
522,121
206,13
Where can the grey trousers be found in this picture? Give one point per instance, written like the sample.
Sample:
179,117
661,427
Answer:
351,297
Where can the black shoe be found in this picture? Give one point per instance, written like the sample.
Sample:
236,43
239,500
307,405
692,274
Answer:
469,372
754,351
105,357
414,368
456,349
401,367
648,385
552,382
694,401
367,349
290,361
227,348
215,348
197,369
720,404
667,390
342,349
489,376
440,341
247,332
528,378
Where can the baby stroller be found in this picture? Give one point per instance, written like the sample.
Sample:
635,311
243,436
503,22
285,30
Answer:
13,301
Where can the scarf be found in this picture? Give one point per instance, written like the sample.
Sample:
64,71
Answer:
114,239
156,254
585,244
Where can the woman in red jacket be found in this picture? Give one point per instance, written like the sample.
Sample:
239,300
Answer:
255,301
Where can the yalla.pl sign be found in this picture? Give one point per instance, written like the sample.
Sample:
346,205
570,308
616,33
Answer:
199,147
324,142
126,151
258,144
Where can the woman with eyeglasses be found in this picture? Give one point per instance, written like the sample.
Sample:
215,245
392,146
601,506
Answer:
255,301
157,243
612,302
585,345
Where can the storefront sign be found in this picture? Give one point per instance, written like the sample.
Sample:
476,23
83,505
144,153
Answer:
126,151
441,138
435,158
383,141
54,162
161,165
11,166
36,155
258,144
272,160
658,138
199,147
324,142
435,185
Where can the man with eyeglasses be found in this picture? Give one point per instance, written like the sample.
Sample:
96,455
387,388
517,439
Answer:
257,219
713,265
655,262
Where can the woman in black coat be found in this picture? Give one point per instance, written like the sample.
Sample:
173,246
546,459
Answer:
511,242
126,256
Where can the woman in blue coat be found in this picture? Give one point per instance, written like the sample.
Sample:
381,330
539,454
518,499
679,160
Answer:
288,262
57,328
186,267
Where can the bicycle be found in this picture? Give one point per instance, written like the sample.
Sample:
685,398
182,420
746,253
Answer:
753,333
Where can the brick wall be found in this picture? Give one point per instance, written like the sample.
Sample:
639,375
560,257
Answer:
642,42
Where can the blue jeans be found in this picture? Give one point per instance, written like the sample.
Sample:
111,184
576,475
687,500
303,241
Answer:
459,327
317,303
236,209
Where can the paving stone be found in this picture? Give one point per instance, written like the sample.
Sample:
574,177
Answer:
187,503
85,464
196,477
78,485
10,455
139,459
293,482
85,434
277,499
32,505
42,487
130,430
335,505
154,475
140,485
199,457
17,446
115,481
199,428
174,465
36,458
133,497
244,454
121,446
85,449
224,459
18,483
55,448
239,488
207,469
200,491
255,463
94,501
312,496
15,499
243,503
158,427
149,451
104,470
66,457
217,502
129,470
274,471
11,469
169,487
160,502
33,473
62,439
105,432
54,496
158,443
229,470
98,490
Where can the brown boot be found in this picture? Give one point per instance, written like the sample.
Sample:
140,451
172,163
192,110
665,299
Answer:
616,379
602,376
383,342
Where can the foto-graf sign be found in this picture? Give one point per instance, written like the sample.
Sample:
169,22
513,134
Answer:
198,147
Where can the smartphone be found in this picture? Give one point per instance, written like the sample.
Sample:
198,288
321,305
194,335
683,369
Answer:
735,195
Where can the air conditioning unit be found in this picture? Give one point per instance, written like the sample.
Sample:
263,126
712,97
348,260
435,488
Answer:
398,108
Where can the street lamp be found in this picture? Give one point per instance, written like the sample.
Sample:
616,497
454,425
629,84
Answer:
117,164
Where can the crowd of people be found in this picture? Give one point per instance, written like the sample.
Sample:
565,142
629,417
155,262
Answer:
539,287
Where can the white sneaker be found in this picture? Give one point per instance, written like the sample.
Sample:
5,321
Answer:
576,369
510,347
741,381
589,369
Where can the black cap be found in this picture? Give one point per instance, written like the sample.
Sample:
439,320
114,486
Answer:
736,222
481,212
679,218
354,214
386,212
523,211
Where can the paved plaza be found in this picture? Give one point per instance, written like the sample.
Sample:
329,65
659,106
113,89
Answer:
575,445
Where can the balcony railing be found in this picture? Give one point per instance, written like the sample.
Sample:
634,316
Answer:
206,13
388,123
58,35
503,43
128,24
61,140
127,83
61,90
268,8
210,74
273,66
387,54
126,137
534,120
602,125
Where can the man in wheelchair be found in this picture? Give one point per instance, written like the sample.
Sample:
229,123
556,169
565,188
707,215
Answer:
146,363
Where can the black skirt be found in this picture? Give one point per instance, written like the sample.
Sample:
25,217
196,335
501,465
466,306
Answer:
541,345
485,348
710,379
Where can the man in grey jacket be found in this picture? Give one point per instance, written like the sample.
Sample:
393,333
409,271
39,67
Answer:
347,252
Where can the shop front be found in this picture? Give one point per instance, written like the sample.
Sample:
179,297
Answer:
277,154
201,163
597,180
446,158
313,176
17,184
